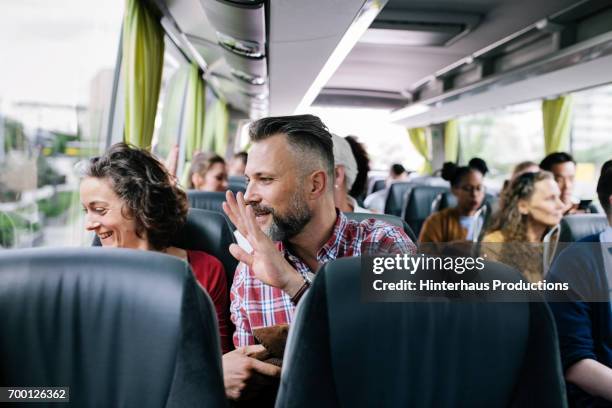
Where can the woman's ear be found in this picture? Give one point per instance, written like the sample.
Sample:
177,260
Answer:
196,180
339,177
523,207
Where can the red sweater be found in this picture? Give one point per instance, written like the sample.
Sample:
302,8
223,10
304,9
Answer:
209,272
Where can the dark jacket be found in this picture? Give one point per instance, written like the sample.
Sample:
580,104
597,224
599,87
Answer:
585,328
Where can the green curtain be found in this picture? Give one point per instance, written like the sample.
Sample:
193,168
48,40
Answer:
215,128
195,111
451,141
420,141
556,117
143,56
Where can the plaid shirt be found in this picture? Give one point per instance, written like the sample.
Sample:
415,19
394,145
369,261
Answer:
255,304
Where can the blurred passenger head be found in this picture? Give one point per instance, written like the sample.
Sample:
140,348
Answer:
130,200
532,198
467,185
363,167
478,164
524,167
237,164
291,173
604,189
563,167
208,172
345,167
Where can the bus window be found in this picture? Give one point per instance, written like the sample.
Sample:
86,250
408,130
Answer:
56,80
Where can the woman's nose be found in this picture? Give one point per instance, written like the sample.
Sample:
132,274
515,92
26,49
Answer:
91,225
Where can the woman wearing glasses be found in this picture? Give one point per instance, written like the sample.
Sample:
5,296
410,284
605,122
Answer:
208,173
457,223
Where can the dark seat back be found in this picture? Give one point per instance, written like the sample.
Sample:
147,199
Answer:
396,197
390,219
206,200
119,327
211,232
418,354
578,226
418,205
237,183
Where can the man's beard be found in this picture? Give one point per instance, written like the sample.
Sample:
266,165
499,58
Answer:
286,226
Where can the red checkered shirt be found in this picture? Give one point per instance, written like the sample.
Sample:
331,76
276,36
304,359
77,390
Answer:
255,304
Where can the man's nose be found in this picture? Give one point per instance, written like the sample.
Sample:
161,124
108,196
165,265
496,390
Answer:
251,195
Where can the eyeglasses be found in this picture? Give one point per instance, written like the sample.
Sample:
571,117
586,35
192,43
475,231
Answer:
470,189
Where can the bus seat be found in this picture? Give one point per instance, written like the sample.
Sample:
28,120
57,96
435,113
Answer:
206,200
577,226
445,199
377,185
207,231
124,328
211,232
395,198
418,205
437,353
390,219
237,183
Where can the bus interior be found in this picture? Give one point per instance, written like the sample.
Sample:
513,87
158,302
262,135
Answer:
418,83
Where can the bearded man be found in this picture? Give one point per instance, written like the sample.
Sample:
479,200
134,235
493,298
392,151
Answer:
289,218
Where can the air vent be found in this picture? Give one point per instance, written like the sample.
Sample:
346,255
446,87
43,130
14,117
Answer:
419,29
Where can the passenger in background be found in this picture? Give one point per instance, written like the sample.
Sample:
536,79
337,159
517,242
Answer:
521,168
478,164
345,167
131,201
563,167
237,164
359,189
208,173
289,217
532,206
376,201
585,326
457,223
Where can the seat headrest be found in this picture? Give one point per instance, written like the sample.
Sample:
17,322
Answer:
389,219
395,198
577,226
360,354
418,205
119,327
237,183
206,200
211,232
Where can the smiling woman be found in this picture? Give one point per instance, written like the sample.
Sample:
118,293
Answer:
131,201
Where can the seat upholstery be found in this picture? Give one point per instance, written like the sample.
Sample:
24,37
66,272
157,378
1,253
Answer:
237,183
343,352
390,219
207,231
206,200
396,197
418,205
578,226
211,232
119,327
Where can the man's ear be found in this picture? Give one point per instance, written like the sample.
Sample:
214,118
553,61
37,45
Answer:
318,184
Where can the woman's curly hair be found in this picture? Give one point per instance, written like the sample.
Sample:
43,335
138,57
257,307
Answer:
510,221
150,195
